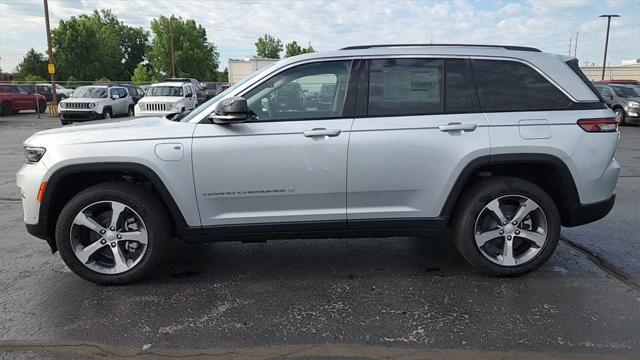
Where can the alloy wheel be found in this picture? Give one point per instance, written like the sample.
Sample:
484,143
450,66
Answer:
109,237
511,230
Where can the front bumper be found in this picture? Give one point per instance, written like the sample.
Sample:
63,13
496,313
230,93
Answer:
28,180
79,115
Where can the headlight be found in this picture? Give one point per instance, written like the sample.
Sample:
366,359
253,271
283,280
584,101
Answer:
92,105
63,105
634,104
33,154
176,106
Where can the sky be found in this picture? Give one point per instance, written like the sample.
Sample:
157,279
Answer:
234,26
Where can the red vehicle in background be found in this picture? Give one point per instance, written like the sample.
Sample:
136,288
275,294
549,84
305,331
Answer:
14,98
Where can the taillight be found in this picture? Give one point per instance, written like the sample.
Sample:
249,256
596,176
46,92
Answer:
598,125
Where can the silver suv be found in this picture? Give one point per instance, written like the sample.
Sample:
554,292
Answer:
96,102
504,145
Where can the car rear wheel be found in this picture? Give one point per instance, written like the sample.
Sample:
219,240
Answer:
620,116
113,233
506,226
131,112
5,109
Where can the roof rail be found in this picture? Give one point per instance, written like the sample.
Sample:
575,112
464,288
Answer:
508,47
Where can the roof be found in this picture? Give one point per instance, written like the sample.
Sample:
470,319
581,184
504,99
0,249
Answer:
170,83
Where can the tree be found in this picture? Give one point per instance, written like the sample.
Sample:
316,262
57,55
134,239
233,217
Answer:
142,75
195,56
34,78
268,47
223,76
293,49
33,63
98,45
71,82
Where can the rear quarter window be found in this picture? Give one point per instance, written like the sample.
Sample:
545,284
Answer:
514,86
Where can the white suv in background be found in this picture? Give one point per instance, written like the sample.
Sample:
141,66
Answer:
95,102
501,144
167,98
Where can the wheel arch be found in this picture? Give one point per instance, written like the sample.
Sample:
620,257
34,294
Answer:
546,171
67,181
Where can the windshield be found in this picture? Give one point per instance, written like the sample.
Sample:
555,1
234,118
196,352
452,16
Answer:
90,92
188,116
624,91
164,91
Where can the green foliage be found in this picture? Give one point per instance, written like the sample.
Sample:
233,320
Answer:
223,76
142,75
195,56
34,64
268,47
103,80
98,45
71,82
293,49
34,78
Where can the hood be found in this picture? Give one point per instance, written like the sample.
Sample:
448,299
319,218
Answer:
112,131
160,99
83,100
633,98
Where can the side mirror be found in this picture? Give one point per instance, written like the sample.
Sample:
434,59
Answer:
230,110
189,96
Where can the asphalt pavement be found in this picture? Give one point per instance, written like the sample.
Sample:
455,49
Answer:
325,299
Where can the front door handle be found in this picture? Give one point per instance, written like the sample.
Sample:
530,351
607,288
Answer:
457,127
321,132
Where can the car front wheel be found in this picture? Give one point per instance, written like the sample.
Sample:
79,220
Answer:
506,226
106,114
620,116
113,233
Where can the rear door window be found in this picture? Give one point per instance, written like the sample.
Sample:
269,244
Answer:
514,86
122,93
406,87
458,98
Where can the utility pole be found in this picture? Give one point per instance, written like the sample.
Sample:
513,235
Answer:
173,55
570,39
575,46
606,42
51,67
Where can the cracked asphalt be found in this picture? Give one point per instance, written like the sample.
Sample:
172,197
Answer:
325,299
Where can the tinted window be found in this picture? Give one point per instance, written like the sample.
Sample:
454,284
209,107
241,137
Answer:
624,92
513,86
22,90
122,92
405,86
458,89
188,90
310,91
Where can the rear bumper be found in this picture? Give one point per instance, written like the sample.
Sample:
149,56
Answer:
584,214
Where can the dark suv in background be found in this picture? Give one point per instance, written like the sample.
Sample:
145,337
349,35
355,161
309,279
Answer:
623,99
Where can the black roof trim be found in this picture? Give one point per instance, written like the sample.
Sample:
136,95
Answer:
508,47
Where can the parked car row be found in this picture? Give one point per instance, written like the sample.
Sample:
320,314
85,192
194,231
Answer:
173,96
623,97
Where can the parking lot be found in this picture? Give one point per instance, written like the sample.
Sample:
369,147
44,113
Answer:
395,297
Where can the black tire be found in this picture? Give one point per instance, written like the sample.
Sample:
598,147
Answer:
144,203
42,106
65,122
5,109
131,112
620,116
107,114
473,202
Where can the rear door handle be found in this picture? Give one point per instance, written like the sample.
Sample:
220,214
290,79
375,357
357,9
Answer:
321,132
457,127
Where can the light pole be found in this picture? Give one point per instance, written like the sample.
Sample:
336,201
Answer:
606,42
51,67
173,56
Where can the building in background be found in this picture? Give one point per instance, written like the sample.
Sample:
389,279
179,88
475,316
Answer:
241,68
627,70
